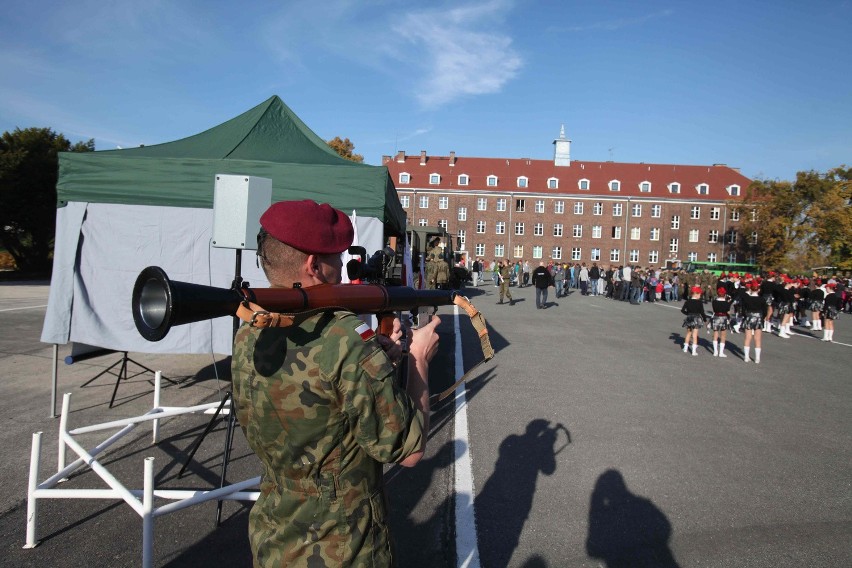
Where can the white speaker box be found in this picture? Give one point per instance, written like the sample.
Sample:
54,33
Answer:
238,203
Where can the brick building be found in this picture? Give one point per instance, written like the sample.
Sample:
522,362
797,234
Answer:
568,210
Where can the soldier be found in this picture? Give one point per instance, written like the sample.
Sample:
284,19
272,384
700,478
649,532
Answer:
503,275
319,405
442,274
431,269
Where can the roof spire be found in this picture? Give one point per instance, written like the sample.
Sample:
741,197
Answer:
562,149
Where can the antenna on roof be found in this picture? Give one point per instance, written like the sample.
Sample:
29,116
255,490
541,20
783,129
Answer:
610,153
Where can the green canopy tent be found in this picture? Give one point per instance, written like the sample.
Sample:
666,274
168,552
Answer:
122,210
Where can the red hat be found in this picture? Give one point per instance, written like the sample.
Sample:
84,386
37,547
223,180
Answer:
721,291
805,281
695,290
831,285
308,226
753,285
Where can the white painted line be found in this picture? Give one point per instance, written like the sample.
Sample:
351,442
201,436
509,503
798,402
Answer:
24,308
467,550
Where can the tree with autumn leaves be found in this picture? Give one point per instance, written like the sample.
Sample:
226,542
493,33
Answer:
796,226
345,149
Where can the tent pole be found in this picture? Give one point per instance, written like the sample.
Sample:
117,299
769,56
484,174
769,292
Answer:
54,380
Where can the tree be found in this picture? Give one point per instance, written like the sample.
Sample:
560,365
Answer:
29,168
799,225
345,149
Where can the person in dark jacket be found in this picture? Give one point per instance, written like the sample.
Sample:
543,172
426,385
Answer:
693,309
541,279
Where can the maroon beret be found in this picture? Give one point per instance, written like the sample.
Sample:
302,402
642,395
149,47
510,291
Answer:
308,226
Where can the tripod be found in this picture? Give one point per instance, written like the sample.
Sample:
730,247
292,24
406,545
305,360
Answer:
122,373
228,399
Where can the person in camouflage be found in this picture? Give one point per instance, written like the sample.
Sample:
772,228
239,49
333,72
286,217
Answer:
319,405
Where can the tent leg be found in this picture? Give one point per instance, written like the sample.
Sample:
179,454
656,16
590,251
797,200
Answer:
54,377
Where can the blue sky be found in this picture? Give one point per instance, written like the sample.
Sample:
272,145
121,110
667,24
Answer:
760,85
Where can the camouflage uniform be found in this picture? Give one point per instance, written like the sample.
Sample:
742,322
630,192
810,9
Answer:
431,270
318,404
504,284
442,274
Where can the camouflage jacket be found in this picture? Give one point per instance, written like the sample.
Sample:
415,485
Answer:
319,406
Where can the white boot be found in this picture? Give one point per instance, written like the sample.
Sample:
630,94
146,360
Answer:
685,347
694,349
722,349
757,354
715,348
745,353
826,335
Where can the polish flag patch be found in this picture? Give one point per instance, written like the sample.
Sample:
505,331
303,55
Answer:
365,331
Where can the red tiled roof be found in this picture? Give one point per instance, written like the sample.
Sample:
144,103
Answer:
599,174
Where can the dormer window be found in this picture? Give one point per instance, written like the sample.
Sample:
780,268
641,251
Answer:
492,181
523,181
464,179
733,190
645,187
615,185
434,179
674,187
583,184
552,183
404,178
702,189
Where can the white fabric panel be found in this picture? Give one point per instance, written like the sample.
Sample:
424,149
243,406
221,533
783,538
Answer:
92,303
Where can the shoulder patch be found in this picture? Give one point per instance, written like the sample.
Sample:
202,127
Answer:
365,331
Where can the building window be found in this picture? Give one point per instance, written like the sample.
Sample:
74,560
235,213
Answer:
500,227
499,251
711,257
480,227
464,179
520,206
635,233
616,232
538,251
656,211
645,187
492,182
577,231
519,228
713,237
751,259
424,202
714,213
404,178
443,202
556,253
519,251
655,234
637,210
695,212
576,253
703,189
462,237
597,208
423,222
614,255
557,230
578,208
732,237
538,230
462,213
693,235
523,181
583,184
616,209
735,215
482,204
675,221
596,254
480,249
674,187
597,230
615,185
673,245
753,239
539,206
634,255
501,204
552,183
692,257
732,257
405,201
434,179
443,224
733,190
559,207
653,257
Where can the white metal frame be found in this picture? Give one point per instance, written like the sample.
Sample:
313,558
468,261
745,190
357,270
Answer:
140,500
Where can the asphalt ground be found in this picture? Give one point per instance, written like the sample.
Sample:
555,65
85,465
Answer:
595,442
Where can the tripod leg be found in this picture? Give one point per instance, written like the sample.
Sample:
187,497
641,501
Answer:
226,456
203,434
122,373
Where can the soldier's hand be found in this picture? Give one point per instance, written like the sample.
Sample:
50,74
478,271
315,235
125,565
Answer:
392,344
424,341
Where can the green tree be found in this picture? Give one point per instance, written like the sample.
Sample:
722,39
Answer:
28,175
801,224
345,148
